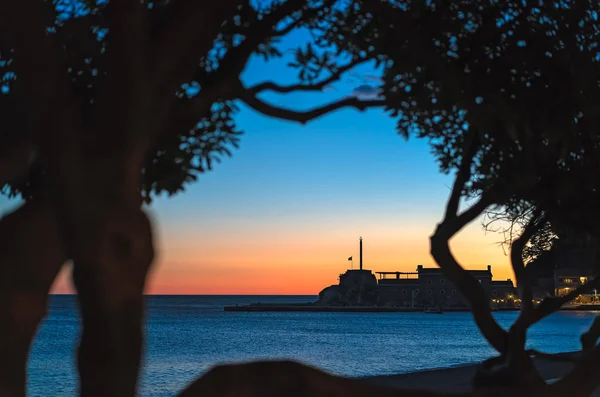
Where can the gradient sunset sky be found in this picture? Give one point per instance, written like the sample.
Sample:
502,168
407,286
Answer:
283,214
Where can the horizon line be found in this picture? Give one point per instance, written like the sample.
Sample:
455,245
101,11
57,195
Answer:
66,294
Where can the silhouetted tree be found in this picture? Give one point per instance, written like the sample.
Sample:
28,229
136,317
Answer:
510,222
106,104
506,93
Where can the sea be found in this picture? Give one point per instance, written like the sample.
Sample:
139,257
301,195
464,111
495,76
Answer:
187,335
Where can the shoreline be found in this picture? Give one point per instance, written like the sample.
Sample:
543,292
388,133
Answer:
457,379
303,307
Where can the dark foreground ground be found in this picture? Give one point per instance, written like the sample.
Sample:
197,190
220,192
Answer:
458,379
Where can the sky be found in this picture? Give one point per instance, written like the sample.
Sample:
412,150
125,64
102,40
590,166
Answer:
285,212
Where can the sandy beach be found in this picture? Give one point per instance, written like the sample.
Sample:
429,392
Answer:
458,379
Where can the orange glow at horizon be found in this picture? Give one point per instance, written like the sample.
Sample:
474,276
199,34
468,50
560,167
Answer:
298,263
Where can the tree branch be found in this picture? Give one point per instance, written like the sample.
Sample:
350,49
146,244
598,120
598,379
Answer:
190,34
590,338
440,249
270,86
261,30
38,59
187,112
15,162
224,82
304,117
463,175
124,99
518,331
295,23
501,215
43,87
516,256
422,32
176,60
468,286
123,93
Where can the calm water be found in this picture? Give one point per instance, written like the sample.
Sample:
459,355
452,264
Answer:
188,334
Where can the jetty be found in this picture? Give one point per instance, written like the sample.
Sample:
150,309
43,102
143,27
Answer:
258,307
265,307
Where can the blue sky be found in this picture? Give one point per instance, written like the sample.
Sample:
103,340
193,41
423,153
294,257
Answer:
285,212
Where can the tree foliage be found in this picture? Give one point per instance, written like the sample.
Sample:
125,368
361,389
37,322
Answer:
507,75
195,138
516,80
115,102
507,94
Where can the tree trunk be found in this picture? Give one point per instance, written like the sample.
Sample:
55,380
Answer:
507,371
519,361
589,339
30,258
110,280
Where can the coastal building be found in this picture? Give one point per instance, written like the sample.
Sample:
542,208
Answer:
427,287
563,268
399,288
568,279
357,287
437,290
504,293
